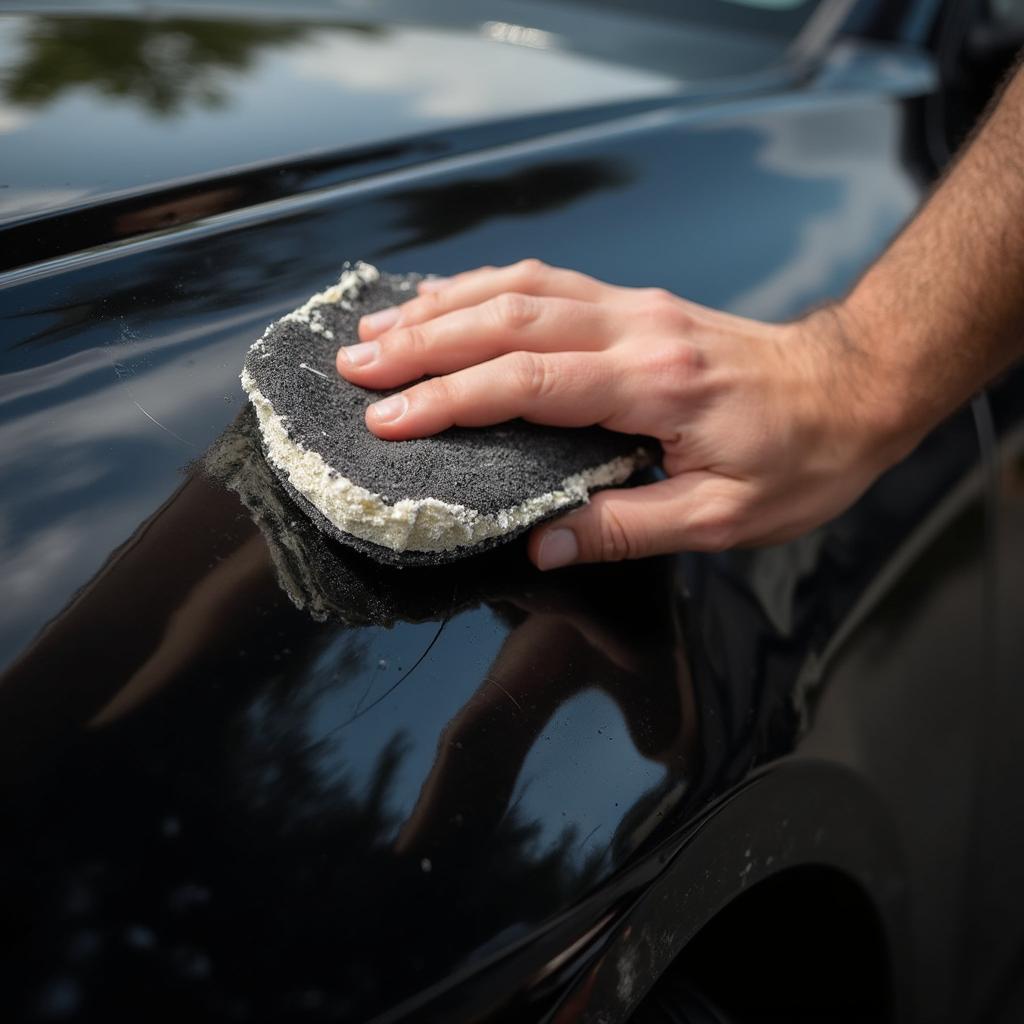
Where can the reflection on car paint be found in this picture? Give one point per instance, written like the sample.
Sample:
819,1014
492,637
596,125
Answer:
254,775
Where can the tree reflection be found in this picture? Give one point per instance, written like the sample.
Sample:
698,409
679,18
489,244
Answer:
364,923
164,65
195,841
449,210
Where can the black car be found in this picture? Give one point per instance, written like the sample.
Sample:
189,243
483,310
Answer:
249,775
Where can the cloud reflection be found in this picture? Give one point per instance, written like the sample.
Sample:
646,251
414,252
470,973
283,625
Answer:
818,147
428,69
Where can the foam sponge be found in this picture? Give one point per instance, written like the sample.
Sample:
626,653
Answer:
417,502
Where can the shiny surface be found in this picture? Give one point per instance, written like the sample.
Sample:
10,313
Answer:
998,867
249,776
158,98
283,779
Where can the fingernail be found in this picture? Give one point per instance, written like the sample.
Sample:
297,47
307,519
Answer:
557,548
387,410
383,320
361,354
433,284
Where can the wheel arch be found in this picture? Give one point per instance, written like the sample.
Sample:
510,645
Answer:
804,944
795,823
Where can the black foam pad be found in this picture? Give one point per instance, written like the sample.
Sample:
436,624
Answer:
487,469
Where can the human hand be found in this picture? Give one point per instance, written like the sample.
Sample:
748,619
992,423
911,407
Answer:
767,429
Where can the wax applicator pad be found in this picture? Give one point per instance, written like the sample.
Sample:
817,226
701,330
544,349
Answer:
419,502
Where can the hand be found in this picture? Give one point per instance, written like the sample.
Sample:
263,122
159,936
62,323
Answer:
767,429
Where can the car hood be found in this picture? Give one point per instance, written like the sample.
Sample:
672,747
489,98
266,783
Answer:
146,99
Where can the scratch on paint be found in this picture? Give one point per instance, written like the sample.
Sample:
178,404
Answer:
491,679
394,686
369,687
161,426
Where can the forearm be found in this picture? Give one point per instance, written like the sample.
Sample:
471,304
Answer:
942,311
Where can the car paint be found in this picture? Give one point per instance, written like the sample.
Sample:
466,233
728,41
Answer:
268,105
474,791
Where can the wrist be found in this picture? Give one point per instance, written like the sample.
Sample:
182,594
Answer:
866,397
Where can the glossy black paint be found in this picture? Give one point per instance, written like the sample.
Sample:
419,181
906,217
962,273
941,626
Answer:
216,113
250,775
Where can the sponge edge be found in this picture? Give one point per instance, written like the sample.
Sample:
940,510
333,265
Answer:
425,501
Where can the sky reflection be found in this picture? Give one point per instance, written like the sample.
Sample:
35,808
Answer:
154,100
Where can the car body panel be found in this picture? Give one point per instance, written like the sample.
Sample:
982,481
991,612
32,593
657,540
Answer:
251,775
147,102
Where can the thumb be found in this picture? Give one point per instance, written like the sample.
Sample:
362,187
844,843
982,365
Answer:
693,511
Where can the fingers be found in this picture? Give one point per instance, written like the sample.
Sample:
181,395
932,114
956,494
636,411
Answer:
437,297
695,511
565,389
507,323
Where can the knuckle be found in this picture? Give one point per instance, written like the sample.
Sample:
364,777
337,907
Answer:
414,342
438,391
719,531
423,307
514,311
533,375
683,360
617,542
670,365
665,309
529,270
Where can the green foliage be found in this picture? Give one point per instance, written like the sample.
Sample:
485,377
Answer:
163,65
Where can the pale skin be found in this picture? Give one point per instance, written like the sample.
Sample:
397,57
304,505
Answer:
768,430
